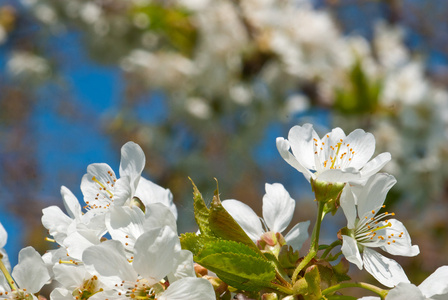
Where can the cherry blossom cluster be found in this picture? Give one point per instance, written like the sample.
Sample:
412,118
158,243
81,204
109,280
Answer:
124,242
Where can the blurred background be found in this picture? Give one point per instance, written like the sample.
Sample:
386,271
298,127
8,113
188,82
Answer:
205,87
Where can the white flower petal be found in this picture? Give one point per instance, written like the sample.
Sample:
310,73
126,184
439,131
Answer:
347,201
336,175
436,284
189,289
123,191
154,253
376,164
245,217
331,139
71,203
184,266
373,194
363,143
298,235
3,236
125,224
149,192
30,273
69,275
56,222
387,271
61,294
132,163
351,252
159,215
302,144
283,147
108,259
405,291
79,240
399,239
278,207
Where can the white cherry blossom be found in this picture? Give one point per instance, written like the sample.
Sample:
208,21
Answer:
366,229
100,186
127,224
334,158
278,210
157,254
30,275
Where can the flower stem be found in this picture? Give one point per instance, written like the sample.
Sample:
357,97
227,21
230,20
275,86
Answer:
331,247
380,292
314,242
8,277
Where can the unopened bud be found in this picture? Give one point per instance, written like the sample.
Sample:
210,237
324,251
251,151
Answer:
200,270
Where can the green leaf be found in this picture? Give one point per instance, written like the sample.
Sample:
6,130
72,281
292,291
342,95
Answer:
224,246
192,242
201,212
241,271
224,226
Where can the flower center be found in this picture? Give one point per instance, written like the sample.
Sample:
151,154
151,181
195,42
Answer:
88,288
141,289
104,197
337,156
17,295
367,229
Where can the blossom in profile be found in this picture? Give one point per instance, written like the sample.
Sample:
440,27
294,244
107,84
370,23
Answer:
333,158
434,287
368,229
278,210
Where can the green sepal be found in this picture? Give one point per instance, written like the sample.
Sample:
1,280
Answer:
201,212
312,277
288,258
328,193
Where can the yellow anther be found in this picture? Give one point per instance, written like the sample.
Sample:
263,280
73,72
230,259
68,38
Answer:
102,186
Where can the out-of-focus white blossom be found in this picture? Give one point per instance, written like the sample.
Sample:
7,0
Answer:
24,63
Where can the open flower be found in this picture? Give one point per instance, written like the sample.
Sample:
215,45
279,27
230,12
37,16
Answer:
102,189
366,229
157,254
334,158
30,275
278,209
